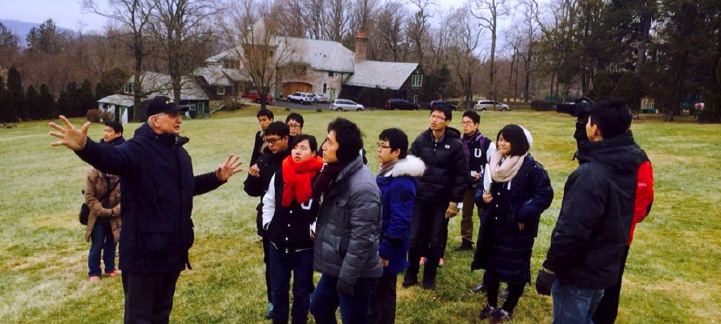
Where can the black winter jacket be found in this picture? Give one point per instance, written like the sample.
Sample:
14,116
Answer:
157,189
268,163
446,175
590,236
503,249
287,227
480,149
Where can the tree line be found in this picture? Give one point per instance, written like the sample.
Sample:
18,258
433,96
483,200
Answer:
521,50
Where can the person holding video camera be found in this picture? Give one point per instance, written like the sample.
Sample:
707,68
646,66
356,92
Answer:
589,240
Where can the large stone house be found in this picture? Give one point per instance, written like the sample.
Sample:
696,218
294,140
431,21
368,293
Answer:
318,66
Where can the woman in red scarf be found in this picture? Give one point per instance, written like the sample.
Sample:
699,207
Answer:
289,214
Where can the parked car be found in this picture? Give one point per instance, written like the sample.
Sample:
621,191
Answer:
319,97
345,104
401,104
303,98
255,97
441,103
484,105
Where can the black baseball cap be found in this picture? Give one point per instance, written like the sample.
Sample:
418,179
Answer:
163,104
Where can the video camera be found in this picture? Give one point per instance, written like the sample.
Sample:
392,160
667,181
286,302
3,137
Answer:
576,108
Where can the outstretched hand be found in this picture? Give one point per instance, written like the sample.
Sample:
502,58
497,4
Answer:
70,136
229,168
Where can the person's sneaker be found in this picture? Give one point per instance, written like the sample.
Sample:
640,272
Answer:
500,316
94,278
269,311
410,280
479,288
429,285
423,261
113,273
486,312
465,246
440,262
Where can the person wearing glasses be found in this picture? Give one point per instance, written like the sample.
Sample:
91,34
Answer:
437,196
277,136
295,123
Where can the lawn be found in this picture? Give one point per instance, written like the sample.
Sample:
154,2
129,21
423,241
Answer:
672,275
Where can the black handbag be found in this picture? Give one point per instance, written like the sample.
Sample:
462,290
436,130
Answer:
85,209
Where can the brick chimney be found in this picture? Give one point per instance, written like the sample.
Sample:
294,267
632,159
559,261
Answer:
361,45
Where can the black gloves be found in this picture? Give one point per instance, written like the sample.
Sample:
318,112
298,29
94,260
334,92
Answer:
344,288
544,280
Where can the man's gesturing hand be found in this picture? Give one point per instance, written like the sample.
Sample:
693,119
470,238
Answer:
71,137
229,168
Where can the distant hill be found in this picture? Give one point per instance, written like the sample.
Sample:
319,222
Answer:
22,28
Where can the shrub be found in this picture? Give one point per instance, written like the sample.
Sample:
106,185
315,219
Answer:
107,116
542,105
93,115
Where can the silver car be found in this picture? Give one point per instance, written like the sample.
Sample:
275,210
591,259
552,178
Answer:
319,97
345,104
484,105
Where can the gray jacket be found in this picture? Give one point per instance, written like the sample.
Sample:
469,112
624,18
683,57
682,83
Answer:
349,225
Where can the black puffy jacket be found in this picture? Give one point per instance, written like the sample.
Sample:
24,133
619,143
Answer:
446,176
503,249
590,236
157,189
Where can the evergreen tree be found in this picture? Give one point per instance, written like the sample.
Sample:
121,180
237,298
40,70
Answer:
32,102
47,38
68,103
15,96
85,97
3,101
110,82
47,103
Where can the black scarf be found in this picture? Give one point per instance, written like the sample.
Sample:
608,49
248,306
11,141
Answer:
330,171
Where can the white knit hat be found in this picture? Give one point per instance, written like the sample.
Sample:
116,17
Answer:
528,137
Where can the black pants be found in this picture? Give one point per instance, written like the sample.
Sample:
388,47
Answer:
383,304
148,297
429,228
514,294
266,260
607,309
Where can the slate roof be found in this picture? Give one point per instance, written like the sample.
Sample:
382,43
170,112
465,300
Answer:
321,55
218,76
118,100
158,84
372,74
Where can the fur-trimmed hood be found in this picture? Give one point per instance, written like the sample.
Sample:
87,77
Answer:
411,166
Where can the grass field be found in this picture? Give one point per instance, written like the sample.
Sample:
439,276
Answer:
672,275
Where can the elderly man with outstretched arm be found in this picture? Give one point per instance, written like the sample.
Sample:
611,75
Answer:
157,189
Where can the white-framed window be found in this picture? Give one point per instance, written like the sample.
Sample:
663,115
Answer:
201,107
220,90
129,87
191,106
417,81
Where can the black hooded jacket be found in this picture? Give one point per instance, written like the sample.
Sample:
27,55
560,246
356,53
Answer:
590,236
446,176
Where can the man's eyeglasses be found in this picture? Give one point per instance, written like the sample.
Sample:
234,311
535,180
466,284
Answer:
467,123
294,125
271,141
438,117
381,146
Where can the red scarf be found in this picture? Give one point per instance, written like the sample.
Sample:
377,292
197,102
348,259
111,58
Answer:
297,177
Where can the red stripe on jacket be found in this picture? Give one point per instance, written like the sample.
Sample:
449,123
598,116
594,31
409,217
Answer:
644,196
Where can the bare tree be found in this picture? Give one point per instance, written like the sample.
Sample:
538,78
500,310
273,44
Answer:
487,13
133,15
337,17
390,28
182,27
256,44
531,26
419,24
466,36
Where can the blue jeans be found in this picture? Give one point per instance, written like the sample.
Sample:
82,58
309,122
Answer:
574,305
353,310
282,263
101,240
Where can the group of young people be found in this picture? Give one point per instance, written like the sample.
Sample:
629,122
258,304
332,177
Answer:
321,209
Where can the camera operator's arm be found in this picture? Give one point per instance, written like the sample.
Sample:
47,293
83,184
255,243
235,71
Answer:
581,211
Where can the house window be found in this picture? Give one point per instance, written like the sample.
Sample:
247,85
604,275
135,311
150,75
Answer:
330,74
325,86
231,64
417,81
129,87
191,107
201,107
220,91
